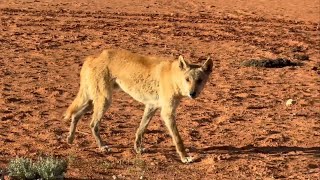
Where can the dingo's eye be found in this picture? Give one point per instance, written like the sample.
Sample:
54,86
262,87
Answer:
187,79
199,81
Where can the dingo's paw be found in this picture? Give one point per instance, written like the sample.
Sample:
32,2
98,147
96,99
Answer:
187,160
70,139
105,148
139,150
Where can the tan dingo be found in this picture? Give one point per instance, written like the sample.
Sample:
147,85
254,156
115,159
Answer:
158,83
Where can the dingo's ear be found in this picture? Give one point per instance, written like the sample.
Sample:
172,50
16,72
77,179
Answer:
207,66
183,64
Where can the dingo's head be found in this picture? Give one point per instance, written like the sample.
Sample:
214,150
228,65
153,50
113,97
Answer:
193,77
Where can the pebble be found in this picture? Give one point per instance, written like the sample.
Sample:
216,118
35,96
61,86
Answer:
290,102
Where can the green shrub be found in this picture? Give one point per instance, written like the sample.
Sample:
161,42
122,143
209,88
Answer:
48,168
51,168
22,168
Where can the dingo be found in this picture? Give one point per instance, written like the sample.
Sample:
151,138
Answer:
158,83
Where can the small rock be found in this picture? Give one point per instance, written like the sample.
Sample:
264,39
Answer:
96,44
290,102
114,177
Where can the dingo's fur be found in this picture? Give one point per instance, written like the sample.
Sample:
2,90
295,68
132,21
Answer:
155,82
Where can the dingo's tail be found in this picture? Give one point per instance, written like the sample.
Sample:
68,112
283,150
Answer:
77,105
81,101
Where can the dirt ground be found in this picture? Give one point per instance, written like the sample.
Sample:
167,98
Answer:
239,128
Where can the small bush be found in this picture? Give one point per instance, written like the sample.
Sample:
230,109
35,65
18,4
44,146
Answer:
51,168
45,168
269,63
22,168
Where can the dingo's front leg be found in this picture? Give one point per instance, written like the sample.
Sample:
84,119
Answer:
168,115
149,111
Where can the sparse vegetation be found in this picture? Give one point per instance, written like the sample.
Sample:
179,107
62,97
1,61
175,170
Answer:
22,168
51,168
269,63
107,165
45,168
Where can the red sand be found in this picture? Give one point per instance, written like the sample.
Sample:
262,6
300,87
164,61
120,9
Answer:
239,128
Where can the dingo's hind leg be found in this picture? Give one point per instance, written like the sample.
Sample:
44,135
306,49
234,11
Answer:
101,102
75,119
149,111
79,106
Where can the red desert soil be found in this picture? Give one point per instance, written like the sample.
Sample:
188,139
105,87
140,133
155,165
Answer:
239,128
